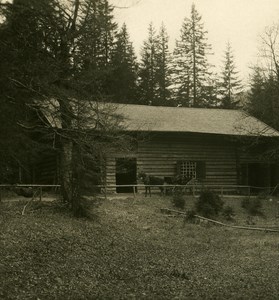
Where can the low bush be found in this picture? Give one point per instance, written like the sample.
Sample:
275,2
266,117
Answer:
209,204
228,213
178,200
252,206
84,208
190,216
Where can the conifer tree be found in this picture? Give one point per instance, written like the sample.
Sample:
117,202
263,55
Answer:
190,62
163,71
148,68
96,44
155,69
52,59
230,85
123,83
263,97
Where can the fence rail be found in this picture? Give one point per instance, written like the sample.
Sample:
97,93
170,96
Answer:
37,189
30,185
195,188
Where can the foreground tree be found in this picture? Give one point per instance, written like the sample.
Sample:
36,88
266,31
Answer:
49,72
230,85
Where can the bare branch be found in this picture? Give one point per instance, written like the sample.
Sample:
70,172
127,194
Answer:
270,48
128,6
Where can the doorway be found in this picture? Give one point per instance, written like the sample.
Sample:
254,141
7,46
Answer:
258,175
126,174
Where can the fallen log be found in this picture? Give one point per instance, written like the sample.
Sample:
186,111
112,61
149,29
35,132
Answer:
265,229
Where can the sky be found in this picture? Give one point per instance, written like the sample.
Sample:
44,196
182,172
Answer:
241,22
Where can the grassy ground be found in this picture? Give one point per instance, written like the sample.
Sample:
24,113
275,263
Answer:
129,250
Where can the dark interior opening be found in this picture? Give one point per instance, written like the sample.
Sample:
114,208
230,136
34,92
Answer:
126,173
259,175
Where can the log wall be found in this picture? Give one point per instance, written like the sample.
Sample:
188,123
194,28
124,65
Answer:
159,153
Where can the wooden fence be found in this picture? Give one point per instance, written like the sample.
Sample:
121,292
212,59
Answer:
193,189
37,189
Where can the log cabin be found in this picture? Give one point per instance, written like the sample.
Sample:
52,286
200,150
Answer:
217,147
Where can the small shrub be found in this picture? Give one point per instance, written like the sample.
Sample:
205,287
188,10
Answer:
178,199
263,195
209,204
228,213
83,209
252,206
190,216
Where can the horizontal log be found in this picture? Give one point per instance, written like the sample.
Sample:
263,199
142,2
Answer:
188,152
265,229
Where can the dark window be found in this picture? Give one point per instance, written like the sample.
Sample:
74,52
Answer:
192,169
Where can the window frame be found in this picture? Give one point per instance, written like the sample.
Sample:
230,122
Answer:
199,172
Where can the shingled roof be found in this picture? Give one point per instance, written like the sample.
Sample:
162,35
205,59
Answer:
168,119
196,120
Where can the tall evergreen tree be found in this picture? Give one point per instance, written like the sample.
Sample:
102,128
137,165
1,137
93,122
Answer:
148,68
191,63
163,70
45,52
230,85
123,82
263,101
96,44
20,40
155,69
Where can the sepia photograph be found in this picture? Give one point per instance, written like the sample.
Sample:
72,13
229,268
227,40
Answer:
139,149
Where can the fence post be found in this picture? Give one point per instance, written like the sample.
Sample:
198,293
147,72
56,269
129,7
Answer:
134,191
41,193
105,192
194,191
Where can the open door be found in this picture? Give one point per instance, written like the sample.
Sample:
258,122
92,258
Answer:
126,173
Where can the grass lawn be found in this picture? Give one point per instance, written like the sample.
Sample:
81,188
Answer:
130,250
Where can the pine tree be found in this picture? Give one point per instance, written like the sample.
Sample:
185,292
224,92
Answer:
263,97
47,47
163,68
148,68
230,85
190,62
181,84
96,44
210,92
123,82
108,31
20,41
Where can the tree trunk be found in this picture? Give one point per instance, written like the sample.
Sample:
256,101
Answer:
66,170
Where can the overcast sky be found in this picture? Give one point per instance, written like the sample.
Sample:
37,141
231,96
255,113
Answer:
238,21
